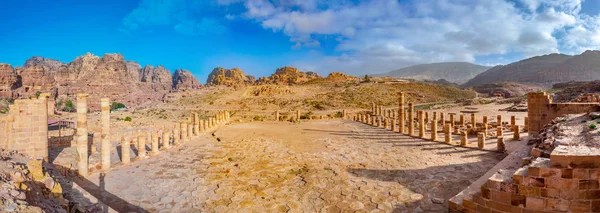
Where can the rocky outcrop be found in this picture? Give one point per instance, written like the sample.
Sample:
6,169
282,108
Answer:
184,80
228,77
8,78
507,89
49,65
108,76
288,76
340,77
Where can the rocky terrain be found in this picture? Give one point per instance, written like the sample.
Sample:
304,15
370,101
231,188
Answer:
546,70
288,76
455,72
507,89
108,76
229,77
570,91
25,186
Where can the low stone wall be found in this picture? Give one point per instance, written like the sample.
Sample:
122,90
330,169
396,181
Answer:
60,142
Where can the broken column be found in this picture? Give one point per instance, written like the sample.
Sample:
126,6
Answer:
105,144
452,122
462,120
394,124
125,149
473,121
426,117
190,128
499,131
141,145
516,133
499,120
372,107
501,146
344,114
411,119
82,134
434,127
386,123
421,123
442,119
463,138
448,133
277,115
480,140
513,122
196,125
166,143
484,125
154,142
401,114
176,136
183,131
297,114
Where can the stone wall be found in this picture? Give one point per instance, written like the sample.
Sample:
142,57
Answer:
541,110
25,129
60,142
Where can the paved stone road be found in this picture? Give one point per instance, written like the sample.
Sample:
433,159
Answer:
319,166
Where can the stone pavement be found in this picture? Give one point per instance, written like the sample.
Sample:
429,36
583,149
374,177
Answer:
317,166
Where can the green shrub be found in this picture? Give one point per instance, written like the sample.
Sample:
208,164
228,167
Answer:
127,119
306,115
115,106
37,94
337,115
592,126
69,106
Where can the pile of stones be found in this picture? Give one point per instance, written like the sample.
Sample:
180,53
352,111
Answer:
25,186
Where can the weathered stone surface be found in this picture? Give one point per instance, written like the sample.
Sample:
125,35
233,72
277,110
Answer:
50,65
8,80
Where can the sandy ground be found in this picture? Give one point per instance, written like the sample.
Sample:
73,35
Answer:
316,166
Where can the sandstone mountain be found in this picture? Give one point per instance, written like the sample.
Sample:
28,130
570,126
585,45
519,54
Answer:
184,80
108,76
508,89
455,72
229,77
545,70
288,76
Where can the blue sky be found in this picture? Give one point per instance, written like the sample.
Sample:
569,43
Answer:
351,36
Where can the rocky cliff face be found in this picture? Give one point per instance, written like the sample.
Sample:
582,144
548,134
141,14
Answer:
229,77
288,76
8,78
184,80
108,76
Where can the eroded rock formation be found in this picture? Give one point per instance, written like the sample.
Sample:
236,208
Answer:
288,76
229,77
184,80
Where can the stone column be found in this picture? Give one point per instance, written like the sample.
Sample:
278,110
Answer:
394,120
387,123
379,121
82,134
516,133
499,131
426,117
344,114
298,115
277,115
462,120
154,142
401,108
202,125
421,123
484,125
480,140
190,128
183,131
196,125
175,136
473,121
501,146
448,133
456,130
513,122
411,119
442,119
463,138
434,127
166,143
106,145
452,122
372,107
142,145
125,149
499,120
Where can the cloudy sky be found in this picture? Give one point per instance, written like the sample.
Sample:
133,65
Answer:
353,36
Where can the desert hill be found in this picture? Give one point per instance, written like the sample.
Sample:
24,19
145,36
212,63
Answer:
455,72
546,70
108,76
508,89
229,77
288,76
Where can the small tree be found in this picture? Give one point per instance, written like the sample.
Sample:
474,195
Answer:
115,106
367,78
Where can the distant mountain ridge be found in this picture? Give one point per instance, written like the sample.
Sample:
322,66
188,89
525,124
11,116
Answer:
545,70
455,72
